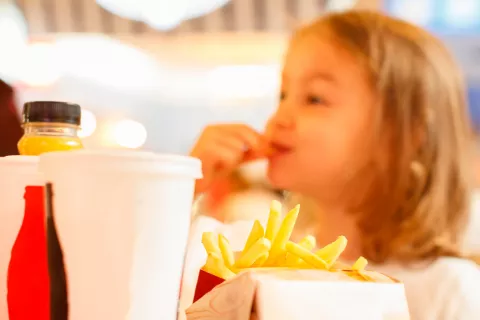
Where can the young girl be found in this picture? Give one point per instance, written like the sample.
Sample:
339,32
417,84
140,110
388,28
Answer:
372,127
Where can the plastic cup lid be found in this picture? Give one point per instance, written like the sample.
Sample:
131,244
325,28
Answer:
121,161
26,164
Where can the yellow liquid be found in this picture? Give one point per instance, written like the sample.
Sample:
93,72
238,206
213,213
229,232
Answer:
36,145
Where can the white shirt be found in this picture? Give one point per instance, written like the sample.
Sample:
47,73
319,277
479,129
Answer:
448,289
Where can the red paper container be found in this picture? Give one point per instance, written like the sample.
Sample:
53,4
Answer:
206,282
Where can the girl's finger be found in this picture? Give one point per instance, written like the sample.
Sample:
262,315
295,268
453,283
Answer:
252,155
251,138
223,158
244,152
233,142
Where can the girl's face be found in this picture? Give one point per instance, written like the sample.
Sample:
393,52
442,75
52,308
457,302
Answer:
321,125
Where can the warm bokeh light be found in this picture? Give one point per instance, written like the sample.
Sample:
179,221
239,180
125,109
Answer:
130,134
88,125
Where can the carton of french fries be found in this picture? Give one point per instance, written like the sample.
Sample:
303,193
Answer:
274,278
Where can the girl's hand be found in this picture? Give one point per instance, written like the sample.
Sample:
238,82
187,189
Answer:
222,148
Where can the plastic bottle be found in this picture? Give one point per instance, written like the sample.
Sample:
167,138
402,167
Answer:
50,126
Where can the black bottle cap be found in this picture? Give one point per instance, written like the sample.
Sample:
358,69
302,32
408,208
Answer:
51,112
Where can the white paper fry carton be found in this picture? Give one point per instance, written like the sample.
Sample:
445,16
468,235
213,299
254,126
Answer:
293,294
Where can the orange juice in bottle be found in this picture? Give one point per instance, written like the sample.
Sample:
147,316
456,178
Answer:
50,126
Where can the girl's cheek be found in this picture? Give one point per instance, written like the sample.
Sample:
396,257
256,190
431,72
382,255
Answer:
268,129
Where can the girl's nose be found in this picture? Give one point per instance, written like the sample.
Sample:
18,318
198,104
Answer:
282,119
281,122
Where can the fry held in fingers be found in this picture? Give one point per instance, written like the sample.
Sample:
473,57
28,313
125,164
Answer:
222,148
271,247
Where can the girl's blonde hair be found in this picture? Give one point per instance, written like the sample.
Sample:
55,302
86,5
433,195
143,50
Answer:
415,204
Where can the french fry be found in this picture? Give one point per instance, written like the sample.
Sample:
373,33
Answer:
226,250
256,233
260,261
338,265
305,255
357,275
292,260
215,266
271,247
258,249
274,220
210,243
280,260
283,235
303,265
331,252
309,243
210,265
360,264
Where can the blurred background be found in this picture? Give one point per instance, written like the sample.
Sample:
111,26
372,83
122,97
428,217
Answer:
151,73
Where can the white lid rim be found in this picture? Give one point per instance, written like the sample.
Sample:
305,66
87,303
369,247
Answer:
19,165
121,161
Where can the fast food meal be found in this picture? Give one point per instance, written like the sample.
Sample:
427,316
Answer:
275,278
270,247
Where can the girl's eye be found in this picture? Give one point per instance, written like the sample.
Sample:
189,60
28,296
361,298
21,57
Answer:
315,100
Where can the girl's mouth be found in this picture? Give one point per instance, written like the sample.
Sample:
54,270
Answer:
278,148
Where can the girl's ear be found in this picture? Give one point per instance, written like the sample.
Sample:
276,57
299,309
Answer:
419,178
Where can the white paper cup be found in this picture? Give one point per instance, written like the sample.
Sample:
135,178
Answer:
16,172
123,220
